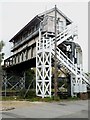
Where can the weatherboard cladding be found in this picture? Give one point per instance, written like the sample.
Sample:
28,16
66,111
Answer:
40,17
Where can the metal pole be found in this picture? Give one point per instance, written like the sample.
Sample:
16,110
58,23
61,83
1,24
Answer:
55,73
1,80
5,85
24,79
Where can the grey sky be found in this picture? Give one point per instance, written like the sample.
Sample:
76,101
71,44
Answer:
16,15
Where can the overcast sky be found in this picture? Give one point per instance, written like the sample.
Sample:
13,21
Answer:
15,15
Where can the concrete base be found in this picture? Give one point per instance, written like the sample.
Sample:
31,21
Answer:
88,94
83,96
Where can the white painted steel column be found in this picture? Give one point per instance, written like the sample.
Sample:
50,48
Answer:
72,84
43,66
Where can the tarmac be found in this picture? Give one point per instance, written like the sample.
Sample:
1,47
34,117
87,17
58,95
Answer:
63,109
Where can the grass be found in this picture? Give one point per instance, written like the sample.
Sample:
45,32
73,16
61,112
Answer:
31,96
32,99
39,99
7,98
73,98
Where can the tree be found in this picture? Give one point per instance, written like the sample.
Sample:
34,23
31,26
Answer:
1,58
1,54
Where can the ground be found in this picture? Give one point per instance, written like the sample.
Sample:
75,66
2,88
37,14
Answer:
61,109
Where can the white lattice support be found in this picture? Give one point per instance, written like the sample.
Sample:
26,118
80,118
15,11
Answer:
43,67
78,85
80,80
72,87
82,83
73,82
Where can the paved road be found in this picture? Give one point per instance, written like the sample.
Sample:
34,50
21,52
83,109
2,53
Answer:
65,109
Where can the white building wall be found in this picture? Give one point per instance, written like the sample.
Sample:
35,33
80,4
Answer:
25,45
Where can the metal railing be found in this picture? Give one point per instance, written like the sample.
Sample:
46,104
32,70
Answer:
69,31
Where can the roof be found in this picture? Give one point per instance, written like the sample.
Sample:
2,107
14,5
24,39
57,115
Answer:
59,11
38,17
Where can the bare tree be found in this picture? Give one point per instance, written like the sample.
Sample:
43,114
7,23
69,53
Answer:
1,58
1,53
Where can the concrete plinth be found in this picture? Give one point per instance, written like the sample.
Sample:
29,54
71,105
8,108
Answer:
83,96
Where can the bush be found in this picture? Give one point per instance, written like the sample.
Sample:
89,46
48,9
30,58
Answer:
56,98
30,94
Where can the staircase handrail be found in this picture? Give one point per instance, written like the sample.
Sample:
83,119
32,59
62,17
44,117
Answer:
71,65
86,76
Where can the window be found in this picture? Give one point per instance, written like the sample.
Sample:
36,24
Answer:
15,59
31,52
29,31
26,54
22,56
33,29
37,26
18,58
25,34
60,24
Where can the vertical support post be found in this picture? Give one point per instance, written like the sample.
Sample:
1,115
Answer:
22,81
50,67
72,84
76,83
36,68
5,83
43,66
80,83
37,62
55,74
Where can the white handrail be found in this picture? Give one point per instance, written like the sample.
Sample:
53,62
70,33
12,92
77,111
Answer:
64,35
66,59
71,65
86,76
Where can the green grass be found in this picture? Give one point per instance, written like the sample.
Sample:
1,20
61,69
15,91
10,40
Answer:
11,98
31,96
73,98
32,99
39,99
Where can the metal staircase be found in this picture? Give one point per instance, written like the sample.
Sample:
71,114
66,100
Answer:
79,79
68,33
70,65
45,46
